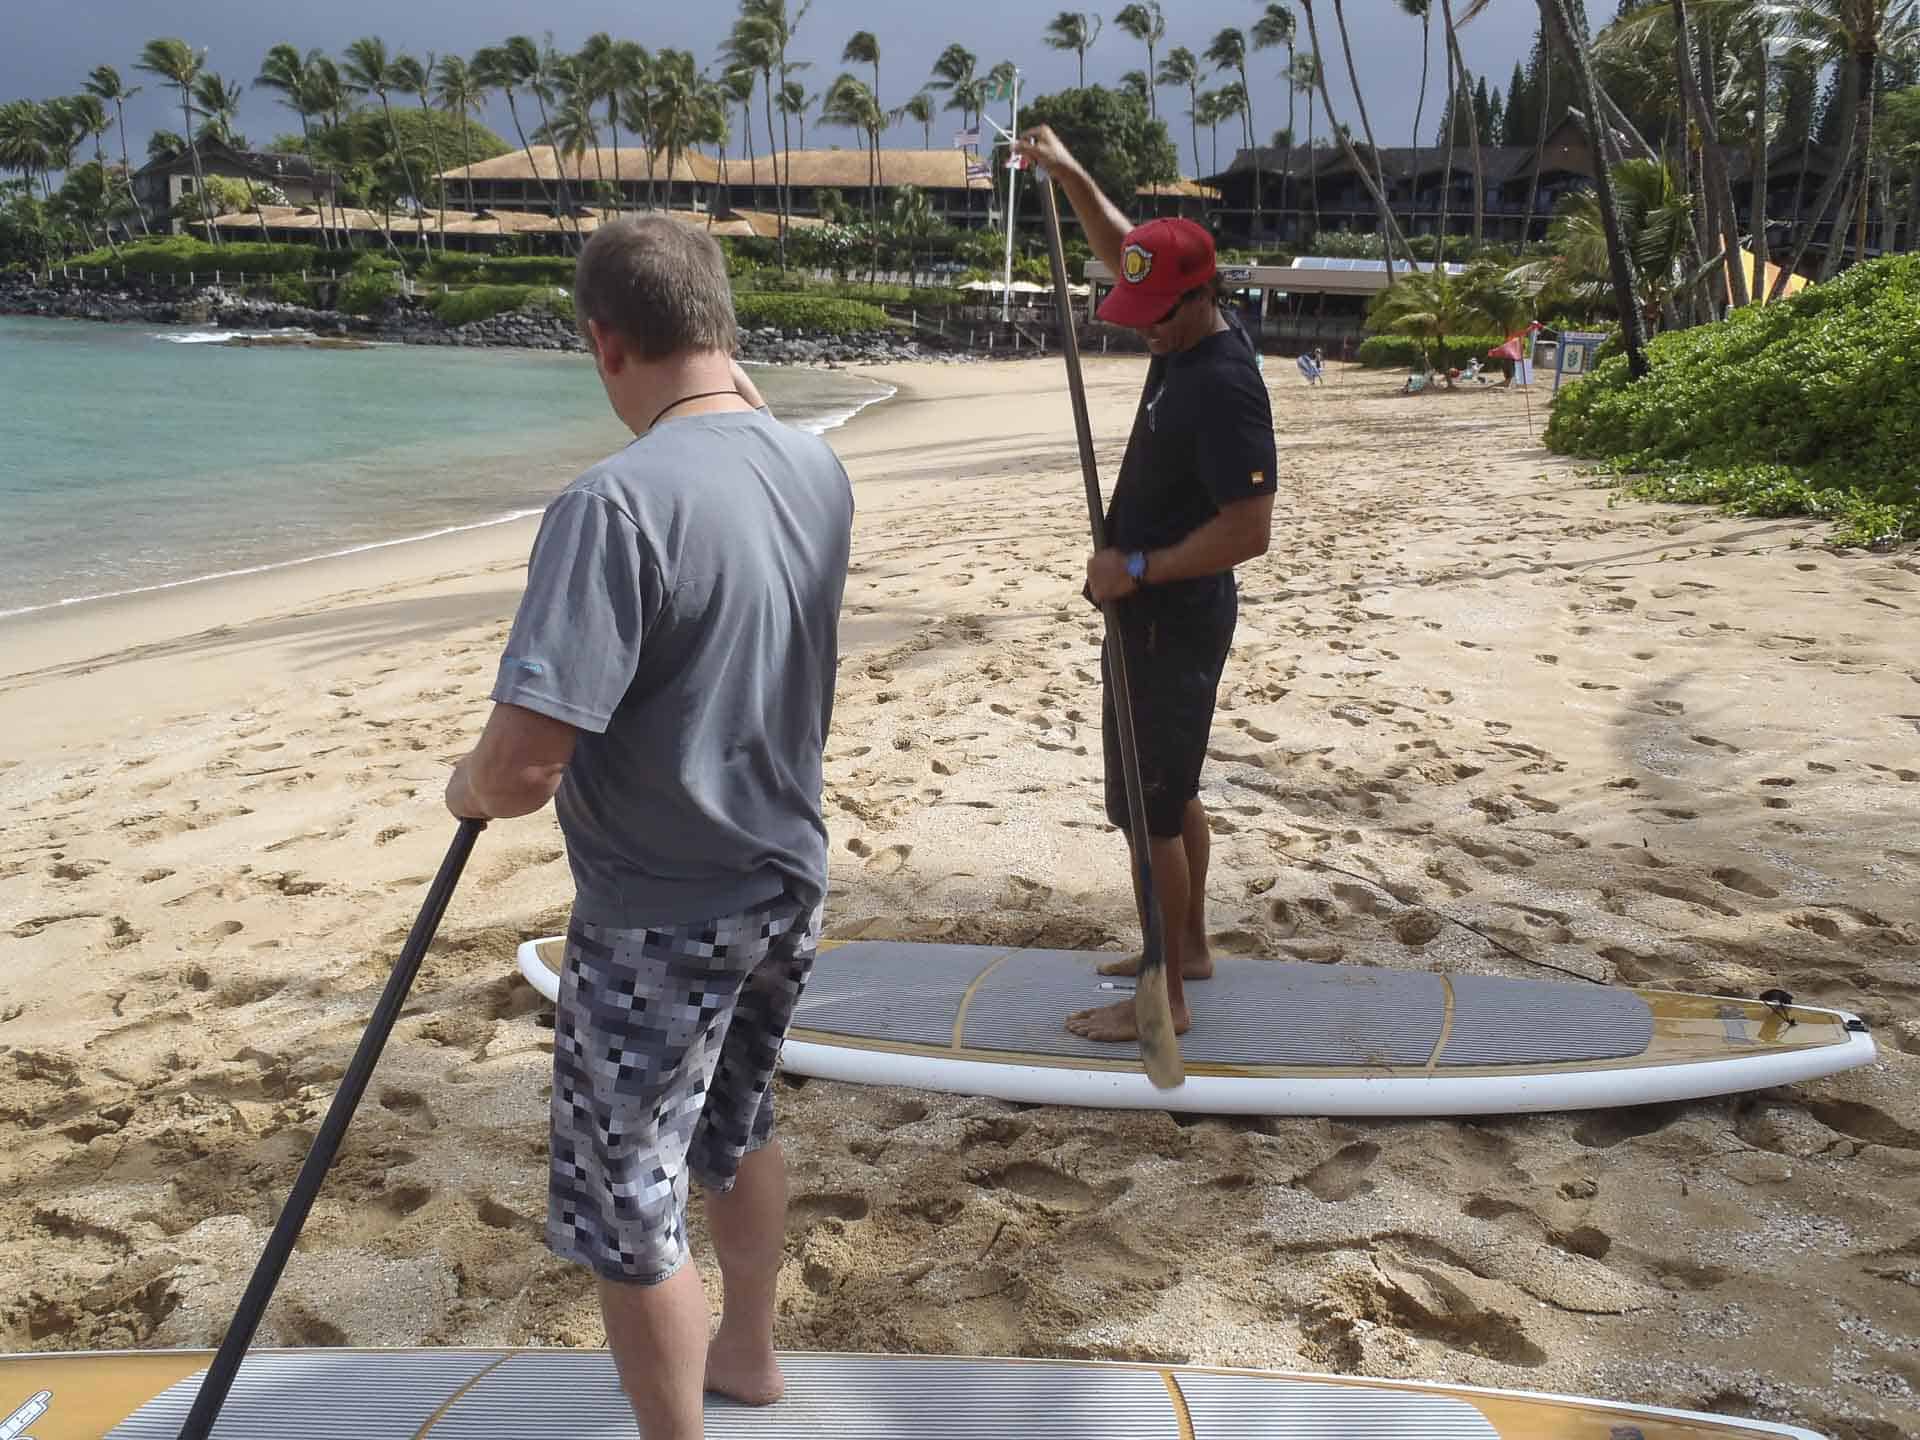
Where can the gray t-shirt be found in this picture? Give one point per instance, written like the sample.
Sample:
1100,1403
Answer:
681,612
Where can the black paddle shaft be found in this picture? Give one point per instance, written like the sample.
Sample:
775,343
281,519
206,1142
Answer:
1153,947
326,1144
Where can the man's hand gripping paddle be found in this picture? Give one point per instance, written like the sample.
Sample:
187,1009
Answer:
326,1144
1152,1012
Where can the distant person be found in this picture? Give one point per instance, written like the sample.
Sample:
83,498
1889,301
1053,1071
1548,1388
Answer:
669,682
1310,366
1194,499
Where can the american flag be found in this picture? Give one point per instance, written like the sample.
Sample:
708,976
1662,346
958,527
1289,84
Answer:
978,171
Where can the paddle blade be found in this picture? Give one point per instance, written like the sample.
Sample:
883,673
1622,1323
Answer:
1153,1018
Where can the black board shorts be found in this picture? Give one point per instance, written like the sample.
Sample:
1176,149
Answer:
1176,651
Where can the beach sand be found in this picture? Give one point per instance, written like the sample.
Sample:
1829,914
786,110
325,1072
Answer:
1644,744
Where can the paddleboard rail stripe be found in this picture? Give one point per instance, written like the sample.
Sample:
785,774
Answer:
1181,1414
959,1042
453,1399
1446,1022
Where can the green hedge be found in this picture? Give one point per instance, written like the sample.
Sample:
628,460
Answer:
1402,352
181,254
367,291
1809,406
483,302
501,270
808,313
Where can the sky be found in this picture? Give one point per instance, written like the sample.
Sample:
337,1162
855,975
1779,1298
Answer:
54,47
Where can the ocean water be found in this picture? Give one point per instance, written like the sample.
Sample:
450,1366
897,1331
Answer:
133,458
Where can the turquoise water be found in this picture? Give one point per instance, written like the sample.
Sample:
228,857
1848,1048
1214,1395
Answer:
133,457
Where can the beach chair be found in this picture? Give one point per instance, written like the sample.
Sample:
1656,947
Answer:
1309,369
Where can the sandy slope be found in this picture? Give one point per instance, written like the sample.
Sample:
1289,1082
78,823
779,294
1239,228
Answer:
1642,744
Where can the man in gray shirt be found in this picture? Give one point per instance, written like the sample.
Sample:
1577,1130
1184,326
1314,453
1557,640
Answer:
669,683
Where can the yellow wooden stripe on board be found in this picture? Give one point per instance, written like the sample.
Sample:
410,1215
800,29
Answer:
960,1016
1446,1025
1180,1412
450,1401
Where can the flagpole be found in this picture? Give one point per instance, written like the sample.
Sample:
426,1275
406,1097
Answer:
1013,175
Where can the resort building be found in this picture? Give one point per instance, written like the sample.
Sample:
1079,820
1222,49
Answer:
160,185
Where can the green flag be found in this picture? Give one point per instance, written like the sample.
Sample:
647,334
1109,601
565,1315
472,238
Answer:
1001,89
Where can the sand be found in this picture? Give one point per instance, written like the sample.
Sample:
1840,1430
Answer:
1644,744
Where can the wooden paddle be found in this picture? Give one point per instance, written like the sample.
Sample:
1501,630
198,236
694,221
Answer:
1153,1013
326,1144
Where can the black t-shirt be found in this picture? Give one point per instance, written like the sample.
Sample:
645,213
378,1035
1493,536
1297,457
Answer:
1203,438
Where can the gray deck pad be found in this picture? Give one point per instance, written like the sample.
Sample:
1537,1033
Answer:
575,1395
1253,1012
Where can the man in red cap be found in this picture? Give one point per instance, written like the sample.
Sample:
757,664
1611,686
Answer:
1194,499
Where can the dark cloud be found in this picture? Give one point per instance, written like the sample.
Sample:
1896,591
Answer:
54,48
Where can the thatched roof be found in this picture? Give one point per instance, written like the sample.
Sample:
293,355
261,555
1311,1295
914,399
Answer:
848,170
1185,189
585,169
740,223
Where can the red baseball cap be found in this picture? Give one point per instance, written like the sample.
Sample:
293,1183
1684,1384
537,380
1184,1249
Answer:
1159,262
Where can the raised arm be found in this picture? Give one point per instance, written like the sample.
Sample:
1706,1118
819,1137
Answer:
1106,228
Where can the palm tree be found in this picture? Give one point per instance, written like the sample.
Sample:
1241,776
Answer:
737,86
218,100
794,102
1136,84
1462,83
913,218
410,77
459,93
953,72
754,42
864,49
177,63
636,109
1209,109
23,142
1074,30
850,103
104,84
1303,78
1276,27
1228,51
368,69
618,68
506,68
778,28
1560,24
1182,67
679,105
1656,219
1366,124
1394,239
1145,23
919,108
1431,305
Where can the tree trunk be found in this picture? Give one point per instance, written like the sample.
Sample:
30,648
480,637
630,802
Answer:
1366,126
1913,210
1193,124
545,193
1393,237
1632,322
433,148
193,151
1762,250
126,165
1153,101
773,163
466,152
1713,168
786,185
1821,205
1545,102
1867,65
1837,248
1886,209
1253,145
1446,165
1289,202
1473,127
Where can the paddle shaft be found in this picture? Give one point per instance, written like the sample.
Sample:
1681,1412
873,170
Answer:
326,1144
1153,954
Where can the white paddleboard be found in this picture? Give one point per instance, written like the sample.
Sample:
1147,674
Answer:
1274,1038
575,1395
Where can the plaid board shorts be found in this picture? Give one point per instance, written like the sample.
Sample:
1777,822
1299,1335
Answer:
665,1043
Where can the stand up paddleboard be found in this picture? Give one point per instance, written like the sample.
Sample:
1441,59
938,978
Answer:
575,1395
1272,1038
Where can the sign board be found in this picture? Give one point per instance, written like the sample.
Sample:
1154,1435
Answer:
1236,274
1575,355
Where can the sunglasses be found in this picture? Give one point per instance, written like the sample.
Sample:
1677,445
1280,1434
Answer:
1176,307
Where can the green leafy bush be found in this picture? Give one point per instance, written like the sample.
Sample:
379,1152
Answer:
808,313
292,290
375,262
180,254
1402,352
483,302
1810,406
500,270
364,292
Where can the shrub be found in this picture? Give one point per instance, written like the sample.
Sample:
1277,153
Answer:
181,254
808,313
1810,406
363,292
292,290
1402,352
375,262
483,302
500,270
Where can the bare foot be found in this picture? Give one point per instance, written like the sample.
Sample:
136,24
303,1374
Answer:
750,1375
1197,964
1116,1022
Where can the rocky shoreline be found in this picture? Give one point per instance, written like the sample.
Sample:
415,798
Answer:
404,323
